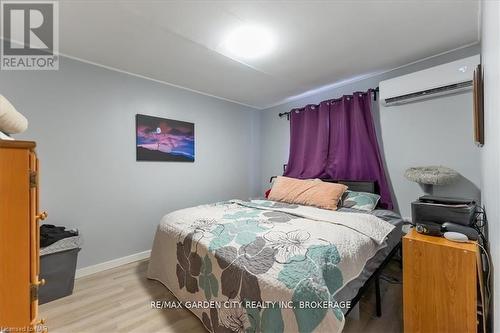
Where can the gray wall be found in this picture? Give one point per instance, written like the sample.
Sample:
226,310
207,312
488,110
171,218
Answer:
83,120
437,131
490,153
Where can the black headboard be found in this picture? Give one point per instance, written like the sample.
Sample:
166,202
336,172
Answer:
357,185
354,185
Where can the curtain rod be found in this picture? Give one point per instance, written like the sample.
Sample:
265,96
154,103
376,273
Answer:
287,114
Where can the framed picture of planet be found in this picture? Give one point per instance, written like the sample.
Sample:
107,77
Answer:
160,139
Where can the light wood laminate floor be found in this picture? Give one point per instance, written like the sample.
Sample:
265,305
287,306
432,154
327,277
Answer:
118,300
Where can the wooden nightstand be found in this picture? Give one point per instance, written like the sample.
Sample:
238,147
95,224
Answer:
440,284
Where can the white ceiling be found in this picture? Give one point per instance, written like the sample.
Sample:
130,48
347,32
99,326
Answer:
318,42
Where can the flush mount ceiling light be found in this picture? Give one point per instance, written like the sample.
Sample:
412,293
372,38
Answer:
248,42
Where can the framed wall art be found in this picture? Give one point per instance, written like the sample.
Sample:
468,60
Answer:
161,139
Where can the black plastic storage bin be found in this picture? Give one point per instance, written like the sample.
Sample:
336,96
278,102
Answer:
58,269
422,212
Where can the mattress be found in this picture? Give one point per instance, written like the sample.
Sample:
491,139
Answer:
262,252
349,291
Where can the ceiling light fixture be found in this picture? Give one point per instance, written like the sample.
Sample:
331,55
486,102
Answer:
248,42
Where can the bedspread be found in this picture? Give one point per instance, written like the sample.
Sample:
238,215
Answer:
263,266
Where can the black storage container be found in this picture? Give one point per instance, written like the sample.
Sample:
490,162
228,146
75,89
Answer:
423,212
58,268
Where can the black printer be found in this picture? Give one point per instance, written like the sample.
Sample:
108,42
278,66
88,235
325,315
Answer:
429,209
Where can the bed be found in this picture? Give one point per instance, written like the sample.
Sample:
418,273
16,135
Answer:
265,266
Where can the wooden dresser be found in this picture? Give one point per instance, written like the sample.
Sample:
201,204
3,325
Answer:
19,237
440,284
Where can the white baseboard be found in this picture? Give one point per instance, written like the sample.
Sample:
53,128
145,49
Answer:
111,264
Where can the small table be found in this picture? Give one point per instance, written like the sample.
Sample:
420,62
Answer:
440,283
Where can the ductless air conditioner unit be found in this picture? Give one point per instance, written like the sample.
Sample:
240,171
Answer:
441,80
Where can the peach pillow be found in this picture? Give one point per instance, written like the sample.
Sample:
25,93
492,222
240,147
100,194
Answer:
309,192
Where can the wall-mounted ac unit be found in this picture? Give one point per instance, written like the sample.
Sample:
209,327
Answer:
444,79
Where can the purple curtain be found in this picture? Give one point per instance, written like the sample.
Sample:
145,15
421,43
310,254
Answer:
308,142
352,151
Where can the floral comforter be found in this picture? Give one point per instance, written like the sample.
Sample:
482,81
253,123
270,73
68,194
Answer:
263,266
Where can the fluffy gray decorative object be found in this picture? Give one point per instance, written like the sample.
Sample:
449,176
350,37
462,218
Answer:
432,175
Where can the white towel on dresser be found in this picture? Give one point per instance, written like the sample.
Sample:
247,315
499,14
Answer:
11,121
4,136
